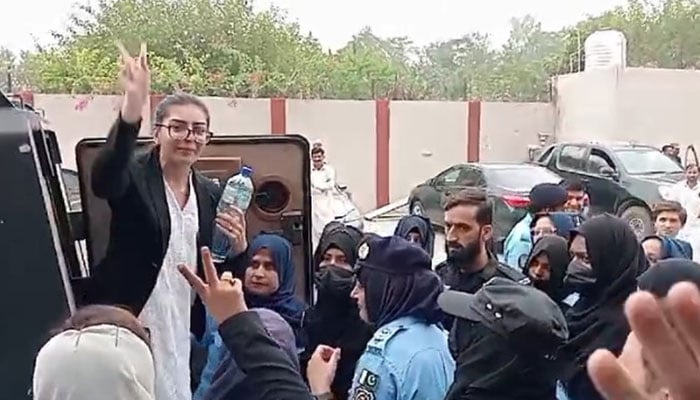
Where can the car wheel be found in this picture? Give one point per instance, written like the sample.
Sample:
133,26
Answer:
417,208
639,220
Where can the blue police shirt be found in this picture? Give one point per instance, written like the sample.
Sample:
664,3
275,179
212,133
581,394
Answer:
405,359
518,243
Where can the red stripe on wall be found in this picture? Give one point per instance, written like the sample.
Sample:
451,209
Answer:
382,134
278,116
473,130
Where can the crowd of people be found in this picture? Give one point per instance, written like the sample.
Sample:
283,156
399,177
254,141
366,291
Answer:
579,309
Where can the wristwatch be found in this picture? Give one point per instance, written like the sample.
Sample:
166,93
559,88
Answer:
324,396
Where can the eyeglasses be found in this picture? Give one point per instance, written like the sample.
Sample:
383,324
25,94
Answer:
200,133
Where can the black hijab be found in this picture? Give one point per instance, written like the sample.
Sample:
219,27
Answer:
342,237
557,251
422,225
597,320
661,277
335,311
408,288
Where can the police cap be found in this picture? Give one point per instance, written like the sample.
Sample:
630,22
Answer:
522,314
392,254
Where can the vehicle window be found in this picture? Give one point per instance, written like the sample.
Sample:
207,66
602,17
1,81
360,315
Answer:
597,161
544,157
647,161
521,178
448,177
470,177
572,158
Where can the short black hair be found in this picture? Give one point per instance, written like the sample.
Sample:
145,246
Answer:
574,185
178,99
473,197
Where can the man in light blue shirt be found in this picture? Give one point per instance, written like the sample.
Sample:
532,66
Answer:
408,357
545,197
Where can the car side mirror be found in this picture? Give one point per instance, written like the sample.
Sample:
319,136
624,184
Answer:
608,173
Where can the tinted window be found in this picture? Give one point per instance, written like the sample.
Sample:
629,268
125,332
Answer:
572,158
597,161
470,177
520,179
448,177
544,157
647,161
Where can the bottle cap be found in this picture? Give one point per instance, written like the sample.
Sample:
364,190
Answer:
246,171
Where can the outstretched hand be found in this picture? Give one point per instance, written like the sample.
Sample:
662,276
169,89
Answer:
222,296
669,333
135,77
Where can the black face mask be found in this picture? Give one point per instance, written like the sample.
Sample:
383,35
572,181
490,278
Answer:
335,281
579,276
464,255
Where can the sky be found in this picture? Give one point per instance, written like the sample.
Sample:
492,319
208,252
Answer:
334,22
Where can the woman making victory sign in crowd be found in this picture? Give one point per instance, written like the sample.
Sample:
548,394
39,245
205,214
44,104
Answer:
162,212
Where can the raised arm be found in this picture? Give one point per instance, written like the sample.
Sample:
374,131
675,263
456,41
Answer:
110,172
110,175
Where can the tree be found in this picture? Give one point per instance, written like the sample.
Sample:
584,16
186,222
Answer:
659,34
225,48
7,62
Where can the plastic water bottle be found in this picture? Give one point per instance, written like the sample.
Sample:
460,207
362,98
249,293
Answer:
238,193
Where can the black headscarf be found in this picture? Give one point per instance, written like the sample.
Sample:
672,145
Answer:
666,273
422,225
557,251
342,237
392,292
597,320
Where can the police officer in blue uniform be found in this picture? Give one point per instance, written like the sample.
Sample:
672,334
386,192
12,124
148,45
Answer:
408,357
468,230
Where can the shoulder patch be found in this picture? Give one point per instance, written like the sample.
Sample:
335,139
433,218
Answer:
382,337
368,379
512,274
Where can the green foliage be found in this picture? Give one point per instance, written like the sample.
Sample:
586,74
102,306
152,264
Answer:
224,48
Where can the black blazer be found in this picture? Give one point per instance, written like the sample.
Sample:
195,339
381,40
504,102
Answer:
133,186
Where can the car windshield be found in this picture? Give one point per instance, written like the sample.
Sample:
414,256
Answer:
647,161
521,178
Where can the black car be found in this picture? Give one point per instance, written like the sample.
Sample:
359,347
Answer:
507,185
621,179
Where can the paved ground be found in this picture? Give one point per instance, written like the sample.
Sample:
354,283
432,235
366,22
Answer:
385,225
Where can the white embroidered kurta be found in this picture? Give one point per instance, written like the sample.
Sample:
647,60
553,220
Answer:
322,188
167,311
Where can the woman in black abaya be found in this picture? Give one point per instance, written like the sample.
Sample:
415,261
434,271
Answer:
418,230
334,320
607,258
546,267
